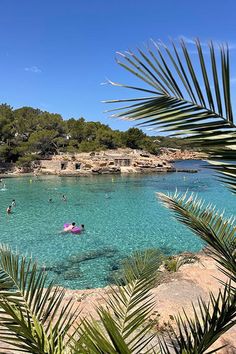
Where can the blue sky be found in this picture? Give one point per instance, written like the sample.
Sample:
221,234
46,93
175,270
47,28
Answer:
56,53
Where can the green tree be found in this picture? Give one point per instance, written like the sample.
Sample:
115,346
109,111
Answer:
25,122
75,129
44,142
134,138
51,121
107,139
6,119
73,135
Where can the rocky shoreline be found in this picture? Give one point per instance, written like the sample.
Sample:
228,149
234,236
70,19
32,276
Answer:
120,161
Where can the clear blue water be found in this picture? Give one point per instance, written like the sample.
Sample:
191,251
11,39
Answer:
121,214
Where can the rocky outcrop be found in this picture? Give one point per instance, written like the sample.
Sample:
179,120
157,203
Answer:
105,162
170,154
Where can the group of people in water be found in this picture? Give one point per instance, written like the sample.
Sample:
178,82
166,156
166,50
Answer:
69,227
64,199
72,226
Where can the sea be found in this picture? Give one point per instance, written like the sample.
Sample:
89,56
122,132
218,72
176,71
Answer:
121,215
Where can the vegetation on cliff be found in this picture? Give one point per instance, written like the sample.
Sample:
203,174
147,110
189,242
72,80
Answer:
27,133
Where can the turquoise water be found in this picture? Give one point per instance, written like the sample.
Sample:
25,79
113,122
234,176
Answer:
121,214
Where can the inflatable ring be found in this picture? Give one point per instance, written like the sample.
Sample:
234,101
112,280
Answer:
75,230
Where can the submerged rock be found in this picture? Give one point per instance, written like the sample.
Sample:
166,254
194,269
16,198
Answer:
87,256
71,274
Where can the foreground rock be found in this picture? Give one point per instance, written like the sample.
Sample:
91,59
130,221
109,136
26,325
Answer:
178,291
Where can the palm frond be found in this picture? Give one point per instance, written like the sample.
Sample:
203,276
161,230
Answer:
210,321
208,223
29,306
215,318
123,326
176,80
189,98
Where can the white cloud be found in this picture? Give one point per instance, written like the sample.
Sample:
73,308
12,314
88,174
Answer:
188,40
33,69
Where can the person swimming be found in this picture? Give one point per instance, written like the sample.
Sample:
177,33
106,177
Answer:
64,198
9,211
70,227
13,203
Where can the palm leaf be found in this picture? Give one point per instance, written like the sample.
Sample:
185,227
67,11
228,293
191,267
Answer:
198,334
184,100
210,321
29,306
208,223
123,326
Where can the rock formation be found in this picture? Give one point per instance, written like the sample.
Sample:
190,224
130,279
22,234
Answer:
105,162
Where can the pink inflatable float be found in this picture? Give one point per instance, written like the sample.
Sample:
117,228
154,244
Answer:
75,230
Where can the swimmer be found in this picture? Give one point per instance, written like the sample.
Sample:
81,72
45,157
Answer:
13,203
9,211
64,198
82,227
70,227
50,200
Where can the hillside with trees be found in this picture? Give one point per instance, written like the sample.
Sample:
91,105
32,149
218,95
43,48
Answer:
28,133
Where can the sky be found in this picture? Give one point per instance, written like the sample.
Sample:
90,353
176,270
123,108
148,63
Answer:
56,54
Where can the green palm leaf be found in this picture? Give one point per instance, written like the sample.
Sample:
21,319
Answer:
215,318
189,98
210,321
208,223
192,100
29,306
123,326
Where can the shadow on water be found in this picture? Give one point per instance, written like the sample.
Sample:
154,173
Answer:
70,268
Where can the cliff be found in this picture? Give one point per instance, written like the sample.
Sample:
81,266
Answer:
109,162
103,162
